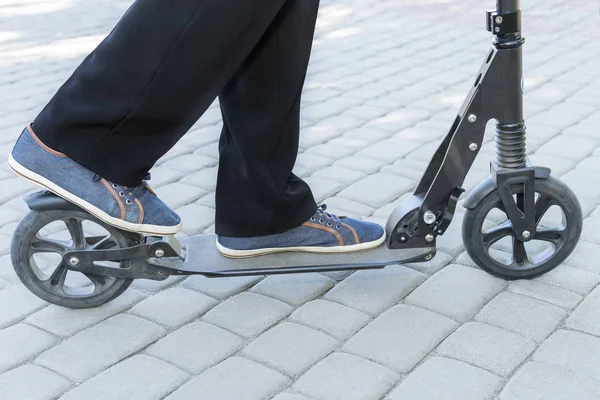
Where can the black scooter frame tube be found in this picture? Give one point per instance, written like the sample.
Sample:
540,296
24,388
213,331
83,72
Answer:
497,94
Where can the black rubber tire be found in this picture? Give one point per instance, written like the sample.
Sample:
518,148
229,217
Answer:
27,230
473,236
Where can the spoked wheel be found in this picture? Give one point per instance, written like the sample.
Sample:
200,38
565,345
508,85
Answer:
43,238
491,242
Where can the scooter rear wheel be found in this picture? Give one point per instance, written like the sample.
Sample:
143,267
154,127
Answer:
493,245
41,240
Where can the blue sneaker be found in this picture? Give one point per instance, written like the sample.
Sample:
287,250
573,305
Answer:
322,233
136,209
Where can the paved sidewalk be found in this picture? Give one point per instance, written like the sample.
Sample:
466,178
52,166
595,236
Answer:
385,82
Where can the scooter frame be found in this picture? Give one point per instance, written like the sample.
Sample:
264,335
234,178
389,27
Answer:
414,225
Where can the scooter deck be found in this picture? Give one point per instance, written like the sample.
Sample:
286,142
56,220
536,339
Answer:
203,258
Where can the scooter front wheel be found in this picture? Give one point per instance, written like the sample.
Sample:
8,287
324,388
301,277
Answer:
492,244
41,240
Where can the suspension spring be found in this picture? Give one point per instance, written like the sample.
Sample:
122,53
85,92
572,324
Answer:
510,145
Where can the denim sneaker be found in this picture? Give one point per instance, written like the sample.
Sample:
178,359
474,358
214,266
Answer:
136,209
322,233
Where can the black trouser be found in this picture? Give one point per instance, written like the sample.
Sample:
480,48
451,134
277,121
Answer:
159,70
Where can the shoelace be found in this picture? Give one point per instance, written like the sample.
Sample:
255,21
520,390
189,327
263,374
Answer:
128,193
329,217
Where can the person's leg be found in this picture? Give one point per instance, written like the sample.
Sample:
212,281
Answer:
132,99
257,194
262,207
147,83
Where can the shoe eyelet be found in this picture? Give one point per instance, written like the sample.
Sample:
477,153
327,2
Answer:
115,185
329,224
320,221
338,227
121,194
129,202
313,219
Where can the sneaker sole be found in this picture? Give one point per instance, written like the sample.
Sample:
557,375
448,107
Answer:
230,253
95,211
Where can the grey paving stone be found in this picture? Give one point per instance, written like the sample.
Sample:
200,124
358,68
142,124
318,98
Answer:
585,257
196,218
536,381
16,303
190,163
523,315
220,288
6,270
32,382
150,286
163,176
208,200
335,319
290,348
205,346
400,337
66,322
451,241
378,189
140,377
294,289
363,164
373,291
90,351
346,377
366,112
233,379
247,314
174,307
576,280
454,380
343,175
349,208
551,294
323,188
579,181
14,187
397,120
586,317
361,135
312,162
20,342
179,194
290,396
488,347
389,150
551,94
440,260
321,111
574,351
457,292
319,133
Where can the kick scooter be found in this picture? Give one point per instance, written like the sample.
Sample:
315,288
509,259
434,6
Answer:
516,191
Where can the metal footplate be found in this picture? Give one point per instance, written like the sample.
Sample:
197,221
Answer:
204,258
158,258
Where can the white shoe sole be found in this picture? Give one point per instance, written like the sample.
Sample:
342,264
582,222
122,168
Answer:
95,211
230,253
